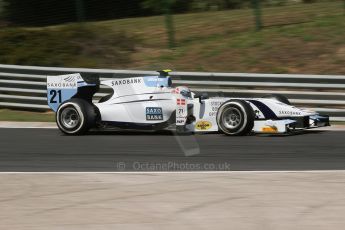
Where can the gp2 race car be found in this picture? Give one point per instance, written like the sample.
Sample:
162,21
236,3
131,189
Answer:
151,103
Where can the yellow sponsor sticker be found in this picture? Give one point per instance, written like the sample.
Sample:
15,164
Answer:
203,125
269,129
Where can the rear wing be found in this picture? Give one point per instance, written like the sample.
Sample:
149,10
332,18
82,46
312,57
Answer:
64,87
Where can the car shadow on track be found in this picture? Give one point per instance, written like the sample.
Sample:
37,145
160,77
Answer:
172,133
130,133
302,132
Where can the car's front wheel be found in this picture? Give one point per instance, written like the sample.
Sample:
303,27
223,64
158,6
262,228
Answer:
76,117
235,118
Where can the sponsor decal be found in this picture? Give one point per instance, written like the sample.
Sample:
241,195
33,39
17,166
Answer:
61,84
180,121
63,81
216,103
181,101
154,113
69,78
181,112
126,81
289,113
214,108
269,129
203,125
157,81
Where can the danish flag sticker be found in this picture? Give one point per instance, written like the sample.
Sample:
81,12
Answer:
181,101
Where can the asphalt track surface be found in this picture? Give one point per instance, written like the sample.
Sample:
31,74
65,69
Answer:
47,150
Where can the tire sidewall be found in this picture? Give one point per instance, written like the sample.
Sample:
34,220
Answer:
81,124
247,121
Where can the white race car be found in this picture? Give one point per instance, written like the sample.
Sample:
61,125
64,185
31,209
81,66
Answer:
151,103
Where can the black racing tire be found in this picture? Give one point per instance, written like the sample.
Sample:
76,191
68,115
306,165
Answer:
76,116
235,118
278,97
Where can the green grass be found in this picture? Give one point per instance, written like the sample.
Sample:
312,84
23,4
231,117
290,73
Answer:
297,38
69,45
15,115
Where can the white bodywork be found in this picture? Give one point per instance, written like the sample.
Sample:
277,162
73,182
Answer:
132,97
150,101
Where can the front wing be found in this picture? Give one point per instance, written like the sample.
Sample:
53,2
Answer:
290,124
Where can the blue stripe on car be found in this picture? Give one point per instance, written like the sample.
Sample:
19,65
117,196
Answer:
266,111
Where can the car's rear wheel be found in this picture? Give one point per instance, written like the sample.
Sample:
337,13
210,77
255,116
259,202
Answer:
278,97
235,118
76,117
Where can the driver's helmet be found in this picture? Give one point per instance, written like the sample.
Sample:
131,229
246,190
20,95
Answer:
183,90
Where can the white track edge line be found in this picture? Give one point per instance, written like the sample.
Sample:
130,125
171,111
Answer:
183,172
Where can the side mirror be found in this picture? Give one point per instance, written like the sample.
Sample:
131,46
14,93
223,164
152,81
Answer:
201,96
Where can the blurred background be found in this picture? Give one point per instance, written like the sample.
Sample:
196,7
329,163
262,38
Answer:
263,36
232,36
